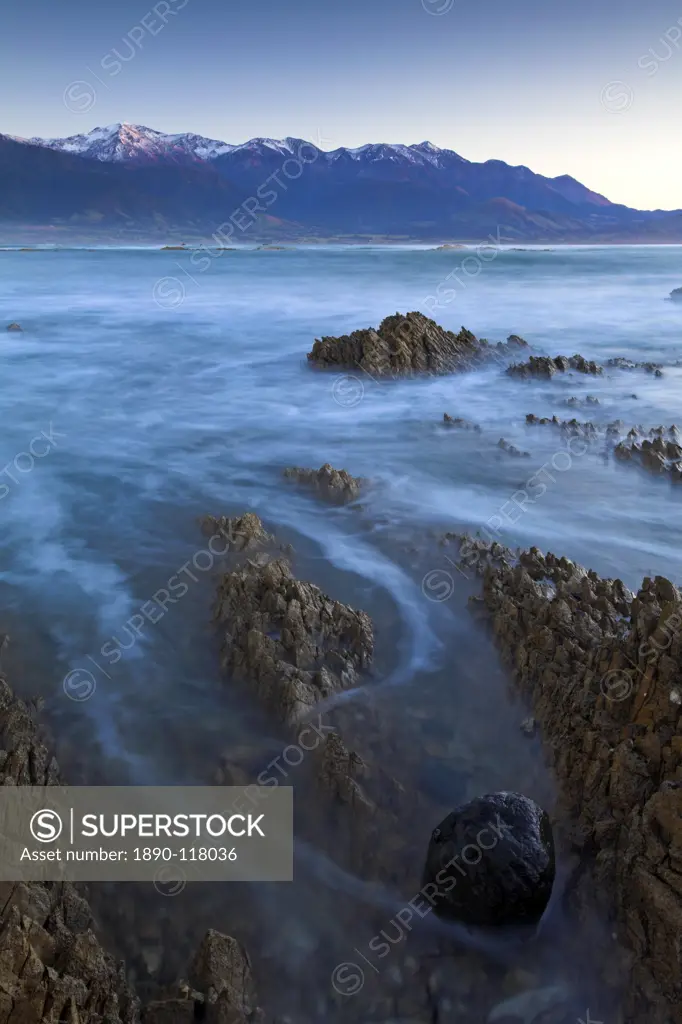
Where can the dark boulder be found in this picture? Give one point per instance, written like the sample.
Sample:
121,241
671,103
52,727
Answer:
491,862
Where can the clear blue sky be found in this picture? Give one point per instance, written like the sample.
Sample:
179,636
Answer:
529,82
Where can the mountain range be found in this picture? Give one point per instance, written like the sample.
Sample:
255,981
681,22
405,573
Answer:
128,181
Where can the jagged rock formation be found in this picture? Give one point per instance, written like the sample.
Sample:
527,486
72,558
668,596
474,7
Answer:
476,554
627,364
547,366
220,988
491,862
53,969
511,449
286,638
405,344
295,646
601,668
572,427
334,485
587,400
659,451
460,423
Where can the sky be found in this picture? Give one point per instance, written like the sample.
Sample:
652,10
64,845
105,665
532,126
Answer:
589,88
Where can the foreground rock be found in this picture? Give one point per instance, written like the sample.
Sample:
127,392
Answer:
601,668
408,344
220,989
53,969
334,485
294,645
492,862
659,451
547,366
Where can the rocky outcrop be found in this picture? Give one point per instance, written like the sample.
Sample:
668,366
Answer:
572,427
289,641
676,295
511,449
659,451
407,344
587,400
220,989
601,668
14,327
459,423
336,486
547,366
491,862
627,364
53,969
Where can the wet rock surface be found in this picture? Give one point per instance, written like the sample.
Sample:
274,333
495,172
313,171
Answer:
659,451
548,366
511,449
573,427
628,364
491,862
580,402
460,424
336,486
407,344
289,641
601,669
53,969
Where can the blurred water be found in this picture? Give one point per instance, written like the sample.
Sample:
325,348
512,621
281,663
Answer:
168,402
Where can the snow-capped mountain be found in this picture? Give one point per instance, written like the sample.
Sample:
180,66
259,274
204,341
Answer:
122,142
132,176
419,163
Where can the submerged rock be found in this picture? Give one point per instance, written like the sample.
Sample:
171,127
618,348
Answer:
531,1007
547,366
460,423
334,485
628,364
492,862
587,400
408,344
573,427
511,449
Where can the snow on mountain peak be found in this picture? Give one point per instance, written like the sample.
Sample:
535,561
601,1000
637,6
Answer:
125,142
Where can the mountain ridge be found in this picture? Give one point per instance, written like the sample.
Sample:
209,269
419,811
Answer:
126,178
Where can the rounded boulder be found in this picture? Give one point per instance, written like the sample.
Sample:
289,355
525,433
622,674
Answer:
491,862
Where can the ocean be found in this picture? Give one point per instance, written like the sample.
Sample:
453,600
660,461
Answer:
148,389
